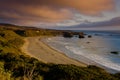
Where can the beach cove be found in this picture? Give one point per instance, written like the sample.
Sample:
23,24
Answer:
91,51
81,52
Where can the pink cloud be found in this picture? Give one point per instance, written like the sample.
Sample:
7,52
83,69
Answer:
51,10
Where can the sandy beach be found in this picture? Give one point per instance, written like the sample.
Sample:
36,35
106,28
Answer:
34,47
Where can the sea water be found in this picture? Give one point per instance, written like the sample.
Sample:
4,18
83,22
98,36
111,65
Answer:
92,51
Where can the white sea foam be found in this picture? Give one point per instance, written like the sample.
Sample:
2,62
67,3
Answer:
96,52
102,60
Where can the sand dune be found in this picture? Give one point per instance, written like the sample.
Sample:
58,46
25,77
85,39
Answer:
36,48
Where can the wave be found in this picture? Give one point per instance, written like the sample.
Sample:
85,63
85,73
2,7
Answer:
97,52
100,59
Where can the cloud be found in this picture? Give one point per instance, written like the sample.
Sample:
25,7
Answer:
36,14
89,7
110,23
31,11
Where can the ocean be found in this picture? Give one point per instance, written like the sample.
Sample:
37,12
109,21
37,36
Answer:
102,49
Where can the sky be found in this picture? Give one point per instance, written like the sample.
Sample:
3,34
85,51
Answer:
62,14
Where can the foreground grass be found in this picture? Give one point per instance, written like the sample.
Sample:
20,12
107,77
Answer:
15,65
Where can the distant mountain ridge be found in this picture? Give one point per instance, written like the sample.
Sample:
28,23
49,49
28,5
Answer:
111,22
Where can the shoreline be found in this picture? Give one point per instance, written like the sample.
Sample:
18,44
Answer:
72,47
38,48
43,52
60,52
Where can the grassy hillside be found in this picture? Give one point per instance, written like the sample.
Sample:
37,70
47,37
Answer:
15,65
30,31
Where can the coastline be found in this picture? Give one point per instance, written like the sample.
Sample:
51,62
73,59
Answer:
35,47
94,53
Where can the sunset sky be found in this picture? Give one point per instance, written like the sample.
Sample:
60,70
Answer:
62,14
